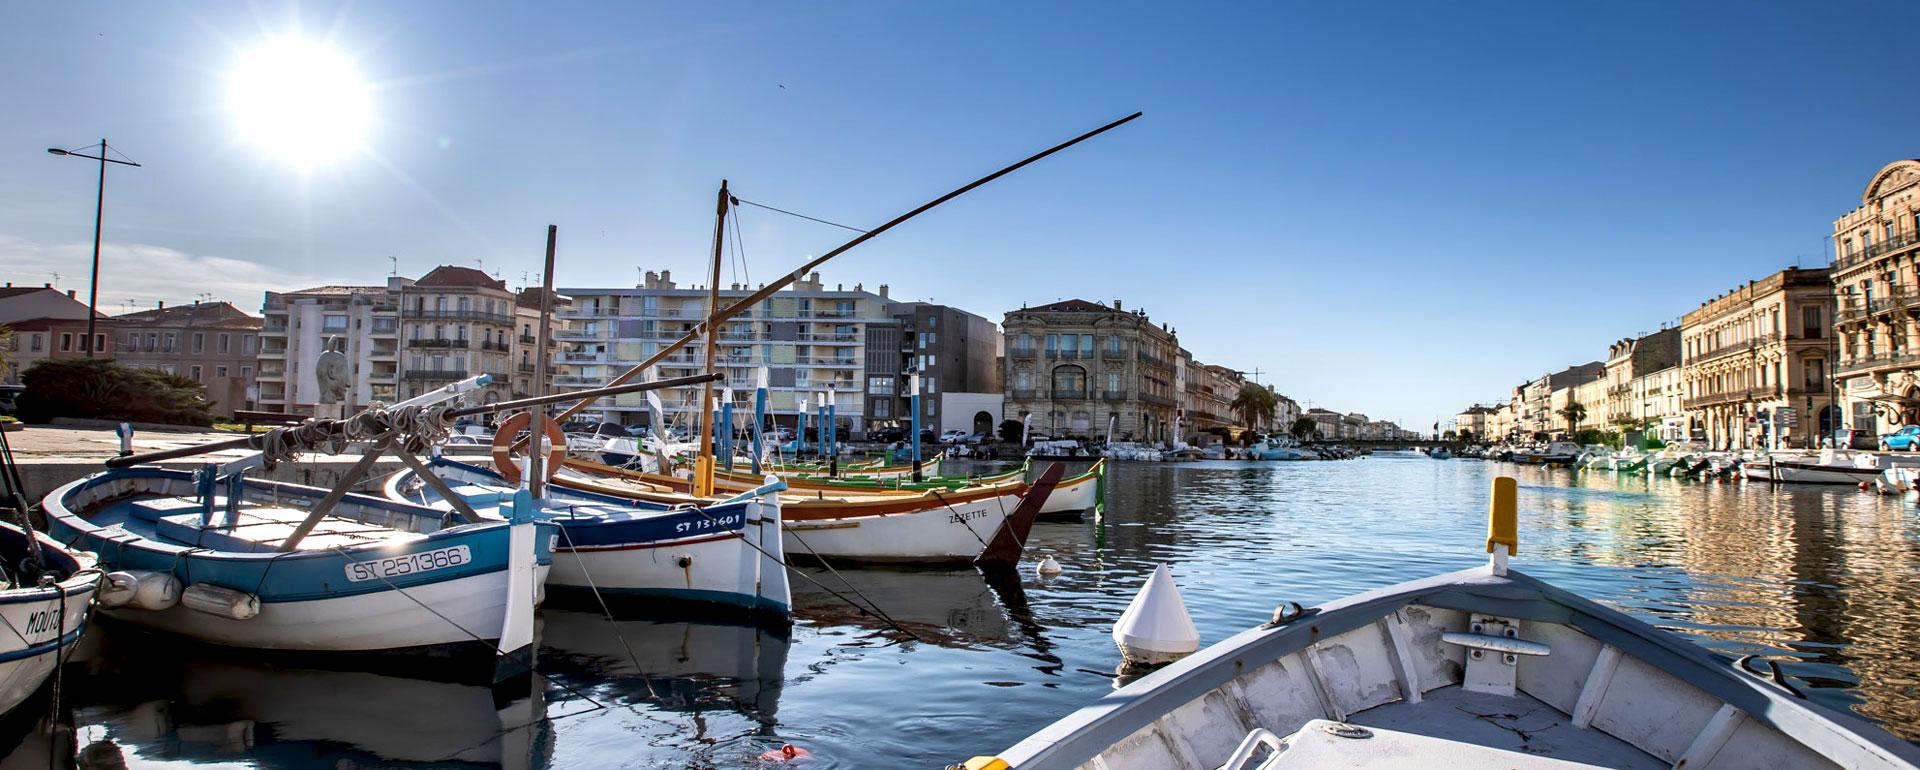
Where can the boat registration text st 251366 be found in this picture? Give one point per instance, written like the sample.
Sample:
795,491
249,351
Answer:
408,564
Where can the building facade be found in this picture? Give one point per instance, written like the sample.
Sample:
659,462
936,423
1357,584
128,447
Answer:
1474,422
457,322
807,337
1078,367
1755,360
1876,280
47,323
526,350
954,351
361,321
1207,402
212,343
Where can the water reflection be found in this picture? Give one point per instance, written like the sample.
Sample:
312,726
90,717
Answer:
939,665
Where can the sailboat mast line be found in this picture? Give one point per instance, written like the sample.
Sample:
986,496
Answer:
788,279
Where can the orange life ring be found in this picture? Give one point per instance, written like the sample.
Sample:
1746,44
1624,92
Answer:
509,431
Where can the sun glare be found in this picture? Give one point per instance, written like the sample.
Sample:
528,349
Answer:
301,102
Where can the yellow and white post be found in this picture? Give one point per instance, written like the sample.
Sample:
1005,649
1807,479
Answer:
1503,523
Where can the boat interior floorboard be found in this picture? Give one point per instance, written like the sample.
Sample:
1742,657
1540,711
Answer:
1518,724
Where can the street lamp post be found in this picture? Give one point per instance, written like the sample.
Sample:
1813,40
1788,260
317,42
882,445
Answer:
99,209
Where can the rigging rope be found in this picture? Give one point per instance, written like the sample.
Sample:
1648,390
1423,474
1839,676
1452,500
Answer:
802,216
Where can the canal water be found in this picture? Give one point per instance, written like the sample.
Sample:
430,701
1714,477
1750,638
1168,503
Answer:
1824,579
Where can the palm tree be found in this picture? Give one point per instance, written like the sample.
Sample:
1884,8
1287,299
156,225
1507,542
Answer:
1574,413
1303,427
1255,405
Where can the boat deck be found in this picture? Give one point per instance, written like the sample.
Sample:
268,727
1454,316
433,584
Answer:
259,528
1452,726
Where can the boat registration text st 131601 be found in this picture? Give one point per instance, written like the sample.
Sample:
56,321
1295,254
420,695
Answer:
408,564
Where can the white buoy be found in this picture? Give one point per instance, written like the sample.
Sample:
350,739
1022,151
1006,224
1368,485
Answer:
1156,629
1047,566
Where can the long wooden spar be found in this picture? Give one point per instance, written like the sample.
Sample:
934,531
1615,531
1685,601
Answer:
788,279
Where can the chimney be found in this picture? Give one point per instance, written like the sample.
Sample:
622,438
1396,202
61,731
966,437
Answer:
666,279
46,285
70,294
161,305
883,291
839,287
1116,305
652,280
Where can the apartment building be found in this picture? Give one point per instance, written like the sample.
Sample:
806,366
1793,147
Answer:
1755,361
1628,360
525,350
212,343
1078,367
1207,400
1876,280
457,322
361,321
1473,421
808,337
953,350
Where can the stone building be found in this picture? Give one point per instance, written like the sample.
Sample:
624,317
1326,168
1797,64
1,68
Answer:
361,321
1628,360
457,322
213,343
1876,279
524,351
1474,421
1755,360
1079,366
1207,401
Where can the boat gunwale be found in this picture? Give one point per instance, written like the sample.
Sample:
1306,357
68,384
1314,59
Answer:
1079,737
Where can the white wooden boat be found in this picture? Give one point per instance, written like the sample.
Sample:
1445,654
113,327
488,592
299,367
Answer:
216,559
727,552
1829,467
45,606
1482,668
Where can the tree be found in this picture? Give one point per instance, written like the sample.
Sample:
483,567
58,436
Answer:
1449,436
1010,431
101,389
1255,405
1467,437
1303,428
1574,413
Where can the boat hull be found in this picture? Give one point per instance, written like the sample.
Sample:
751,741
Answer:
445,587
949,534
44,623
1811,473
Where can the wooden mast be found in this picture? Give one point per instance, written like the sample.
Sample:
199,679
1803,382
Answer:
703,460
785,280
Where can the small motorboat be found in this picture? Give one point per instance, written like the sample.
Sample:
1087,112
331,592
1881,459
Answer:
1831,466
1482,668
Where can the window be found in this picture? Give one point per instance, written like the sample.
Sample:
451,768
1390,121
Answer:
933,322
933,409
1812,323
66,342
1113,382
1086,343
1070,345
1113,343
1053,343
199,342
194,372
246,372
34,343
880,386
153,342
1025,344
220,371
99,342
882,407
226,344
1069,381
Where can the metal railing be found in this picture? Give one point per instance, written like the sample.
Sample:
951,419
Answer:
436,342
456,315
1156,399
1152,360
1113,355
1888,246
1876,360
1113,395
1025,394
1742,346
1068,394
434,374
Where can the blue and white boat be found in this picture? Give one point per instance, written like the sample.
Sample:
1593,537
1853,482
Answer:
1279,448
45,606
264,565
727,553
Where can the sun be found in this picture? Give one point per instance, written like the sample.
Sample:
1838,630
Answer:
300,101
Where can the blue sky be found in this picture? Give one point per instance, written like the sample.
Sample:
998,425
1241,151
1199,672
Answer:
1390,208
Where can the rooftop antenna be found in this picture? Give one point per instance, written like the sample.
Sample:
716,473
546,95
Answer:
56,280
396,265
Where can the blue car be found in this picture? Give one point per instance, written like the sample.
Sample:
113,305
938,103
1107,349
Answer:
1906,439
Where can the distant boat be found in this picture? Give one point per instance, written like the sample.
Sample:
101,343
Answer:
1482,668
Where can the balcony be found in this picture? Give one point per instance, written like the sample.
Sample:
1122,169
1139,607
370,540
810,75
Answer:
383,353
578,335
808,337
1150,398
581,358
273,352
497,347
432,375
1731,397
1109,354
1113,395
1025,395
526,339
1154,361
273,373
1885,360
1743,346
523,368
436,342
1888,246
388,329
1022,352
456,315
1068,394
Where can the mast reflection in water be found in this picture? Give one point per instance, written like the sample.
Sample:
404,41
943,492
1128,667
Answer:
937,666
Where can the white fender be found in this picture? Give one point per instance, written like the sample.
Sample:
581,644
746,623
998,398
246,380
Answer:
140,589
220,601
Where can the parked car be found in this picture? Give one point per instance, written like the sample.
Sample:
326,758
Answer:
778,435
1906,439
10,398
1848,438
953,437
